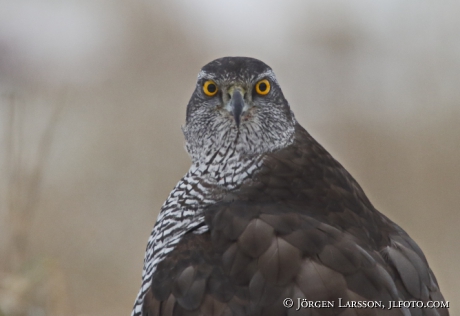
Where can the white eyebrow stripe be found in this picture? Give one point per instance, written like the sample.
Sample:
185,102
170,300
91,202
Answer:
202,74
270,74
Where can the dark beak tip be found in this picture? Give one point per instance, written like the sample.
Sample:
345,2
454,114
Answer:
237,104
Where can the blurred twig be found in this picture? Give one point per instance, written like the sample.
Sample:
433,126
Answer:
23,186
29,285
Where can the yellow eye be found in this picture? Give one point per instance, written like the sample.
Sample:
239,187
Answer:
210,88
263,87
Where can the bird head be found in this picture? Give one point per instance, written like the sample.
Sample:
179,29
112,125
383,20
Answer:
237,106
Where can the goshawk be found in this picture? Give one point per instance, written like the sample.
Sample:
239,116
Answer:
266,215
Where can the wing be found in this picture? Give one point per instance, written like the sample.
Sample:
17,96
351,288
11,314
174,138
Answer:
302,229
254,257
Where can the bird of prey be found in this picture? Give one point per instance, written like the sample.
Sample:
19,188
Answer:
265,214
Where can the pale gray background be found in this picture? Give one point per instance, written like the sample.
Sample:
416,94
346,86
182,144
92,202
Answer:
93,96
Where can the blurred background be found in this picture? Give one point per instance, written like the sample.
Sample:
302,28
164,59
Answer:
93,96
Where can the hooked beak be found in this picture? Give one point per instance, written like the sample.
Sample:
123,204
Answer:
236,104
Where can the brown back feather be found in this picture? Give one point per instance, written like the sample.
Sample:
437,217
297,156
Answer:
302,229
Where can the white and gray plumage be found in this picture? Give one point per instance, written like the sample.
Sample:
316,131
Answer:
266,213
